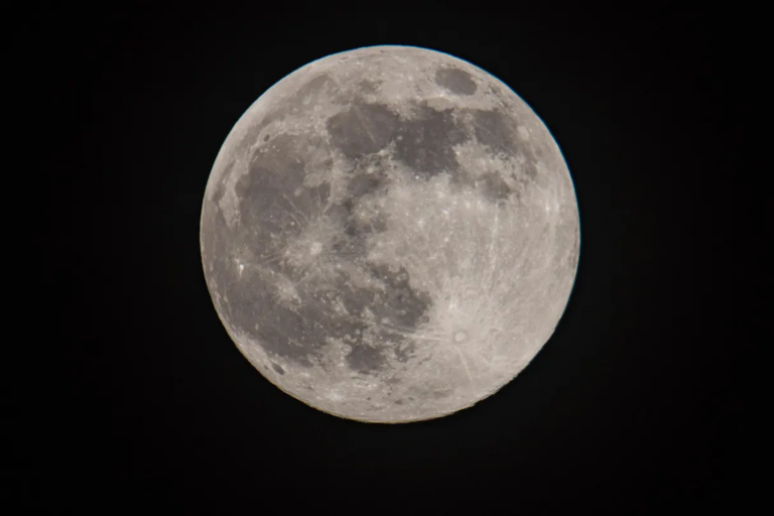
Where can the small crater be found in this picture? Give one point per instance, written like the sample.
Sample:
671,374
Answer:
277,368
266,138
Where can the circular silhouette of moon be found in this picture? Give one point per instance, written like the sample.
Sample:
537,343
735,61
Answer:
390,234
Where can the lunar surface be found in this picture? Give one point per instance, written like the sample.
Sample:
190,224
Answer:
390,234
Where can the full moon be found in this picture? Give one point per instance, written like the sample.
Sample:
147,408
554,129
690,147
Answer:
390,234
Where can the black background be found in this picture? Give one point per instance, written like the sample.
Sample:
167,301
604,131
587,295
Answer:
624,411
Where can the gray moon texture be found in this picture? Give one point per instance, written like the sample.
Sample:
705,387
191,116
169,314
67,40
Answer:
390,234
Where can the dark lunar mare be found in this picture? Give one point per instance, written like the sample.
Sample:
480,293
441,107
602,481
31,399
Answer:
499,133
274,206
362,129
424,143
456,81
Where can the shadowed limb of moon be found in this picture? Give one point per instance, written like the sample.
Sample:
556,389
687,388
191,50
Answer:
390,234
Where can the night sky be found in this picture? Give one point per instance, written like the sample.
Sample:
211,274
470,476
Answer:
144,399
